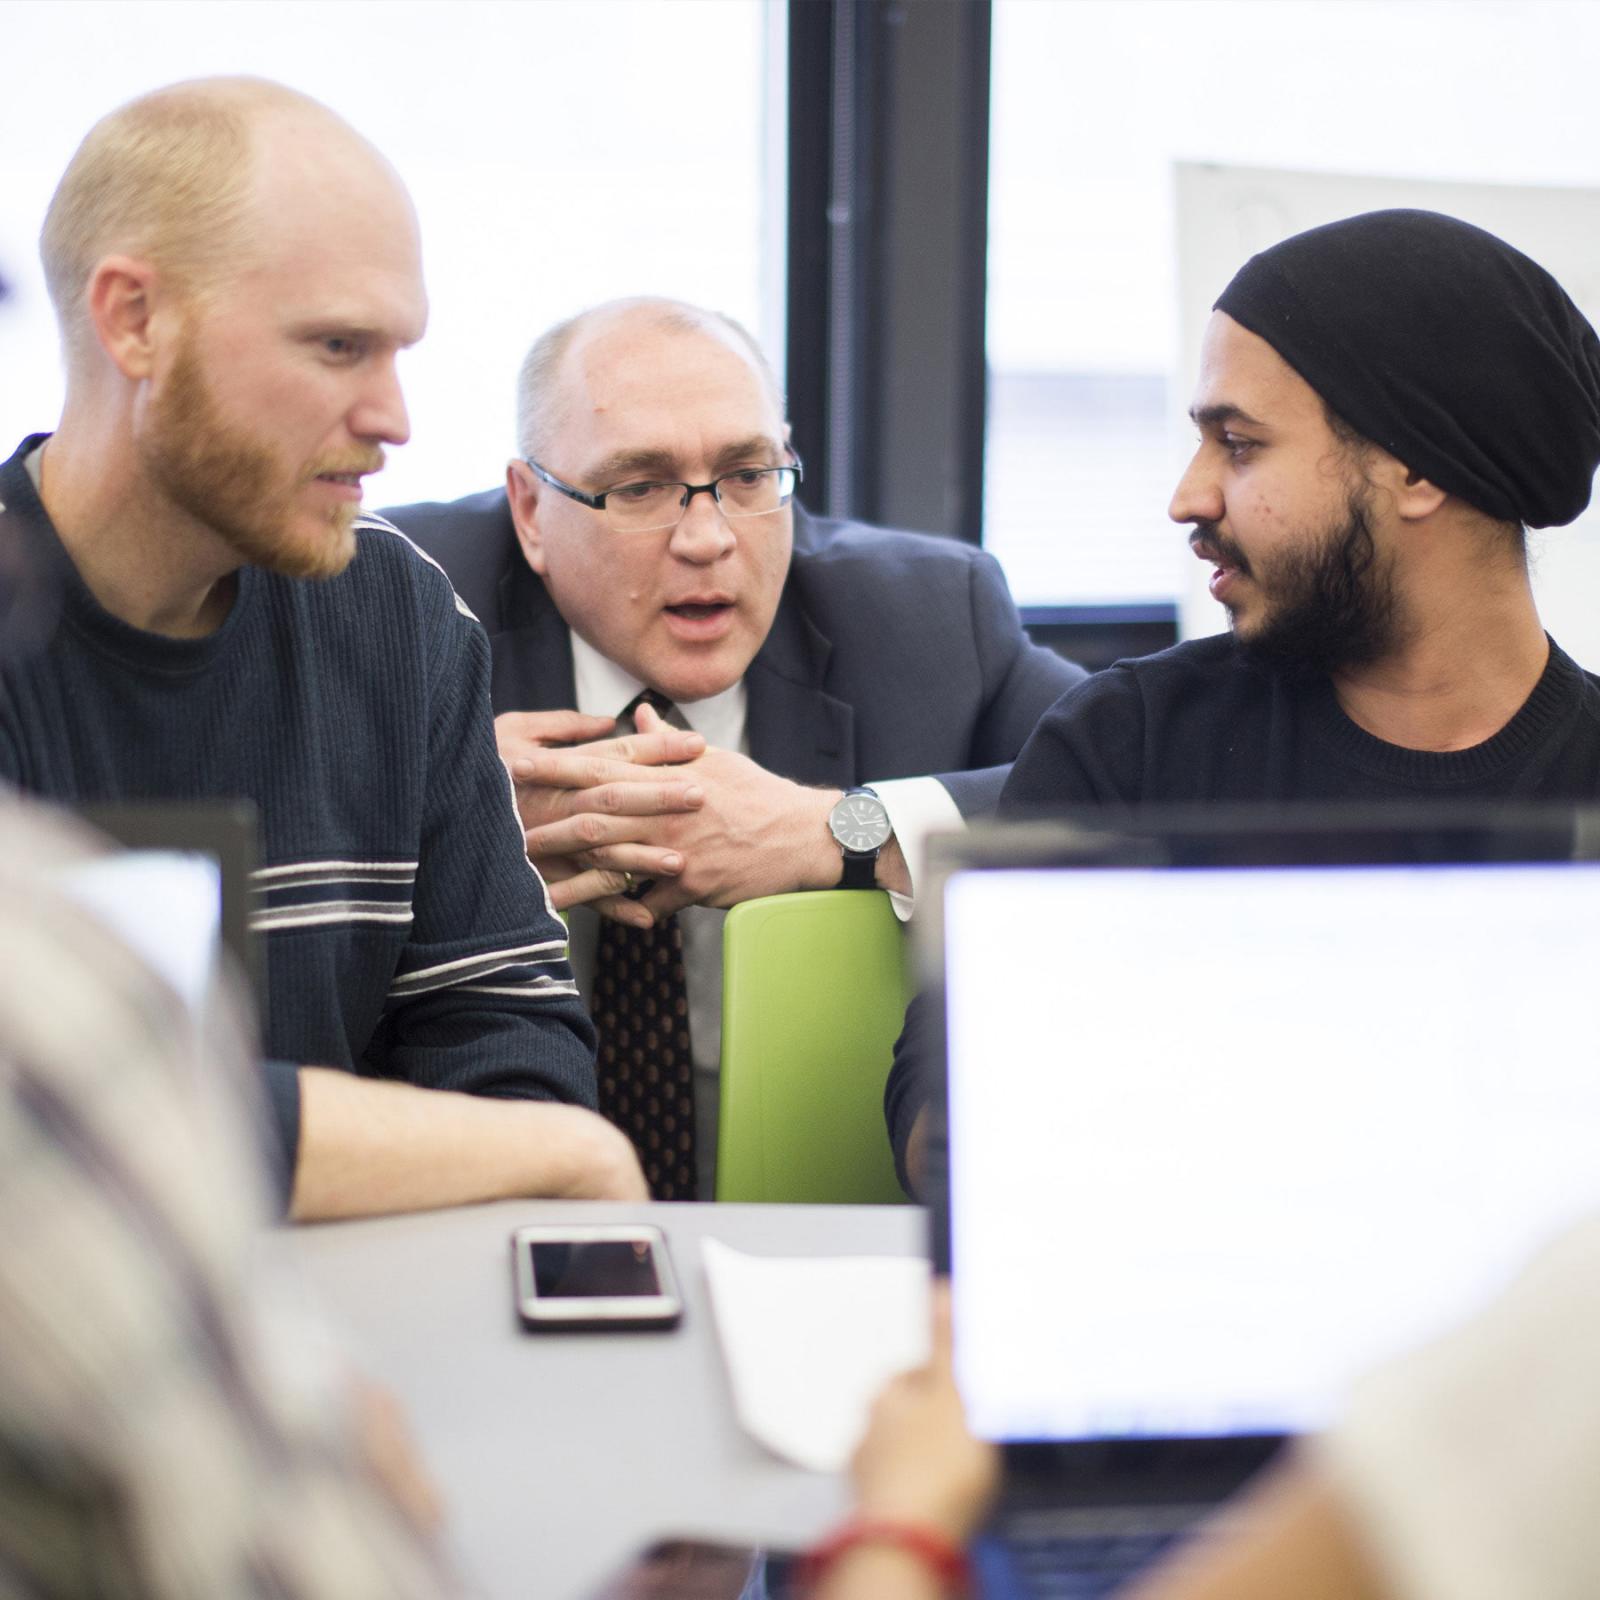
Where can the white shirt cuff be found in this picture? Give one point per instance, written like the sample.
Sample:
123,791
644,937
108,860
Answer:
917,807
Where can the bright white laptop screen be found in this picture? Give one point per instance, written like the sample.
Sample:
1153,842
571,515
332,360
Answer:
165,904
1223,1138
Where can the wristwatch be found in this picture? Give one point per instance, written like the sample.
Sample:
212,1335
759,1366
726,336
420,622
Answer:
861,825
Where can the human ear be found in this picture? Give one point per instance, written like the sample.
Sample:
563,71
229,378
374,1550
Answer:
522,491
1413,496
121,302
1416,497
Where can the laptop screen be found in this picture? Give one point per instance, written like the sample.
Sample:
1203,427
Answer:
166,905
1222,1137
224,833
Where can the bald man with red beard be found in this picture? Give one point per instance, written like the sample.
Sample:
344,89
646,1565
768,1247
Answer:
235,272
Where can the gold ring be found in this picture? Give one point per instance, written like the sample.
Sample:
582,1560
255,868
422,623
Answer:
627,883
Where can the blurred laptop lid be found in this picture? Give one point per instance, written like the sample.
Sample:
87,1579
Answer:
1242,1102
181,863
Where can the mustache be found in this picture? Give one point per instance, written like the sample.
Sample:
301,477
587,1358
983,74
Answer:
363,462
1211,544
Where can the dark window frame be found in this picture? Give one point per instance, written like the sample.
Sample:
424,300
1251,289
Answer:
887,281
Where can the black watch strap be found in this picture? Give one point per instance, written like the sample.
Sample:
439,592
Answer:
860,871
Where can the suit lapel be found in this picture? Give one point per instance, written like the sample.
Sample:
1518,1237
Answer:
795,728
533,651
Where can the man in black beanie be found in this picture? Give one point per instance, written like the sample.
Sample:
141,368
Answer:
1384,405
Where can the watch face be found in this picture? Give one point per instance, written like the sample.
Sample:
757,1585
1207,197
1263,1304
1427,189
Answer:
860,823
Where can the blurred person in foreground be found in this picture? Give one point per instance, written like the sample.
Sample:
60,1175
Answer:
1385,405
235,271
171,1424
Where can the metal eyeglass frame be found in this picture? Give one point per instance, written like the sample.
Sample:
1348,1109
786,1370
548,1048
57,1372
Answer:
597,502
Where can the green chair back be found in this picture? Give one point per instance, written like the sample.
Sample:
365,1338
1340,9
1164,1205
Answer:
814,991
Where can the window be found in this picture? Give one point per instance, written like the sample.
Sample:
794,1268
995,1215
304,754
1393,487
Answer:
559,154
1093,103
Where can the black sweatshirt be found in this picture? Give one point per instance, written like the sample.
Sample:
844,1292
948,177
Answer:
1198,722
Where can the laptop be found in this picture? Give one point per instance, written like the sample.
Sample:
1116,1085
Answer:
1239,1105
172,843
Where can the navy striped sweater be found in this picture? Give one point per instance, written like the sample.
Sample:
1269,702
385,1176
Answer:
406,934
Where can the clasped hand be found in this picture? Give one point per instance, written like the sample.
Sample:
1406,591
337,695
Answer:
603,811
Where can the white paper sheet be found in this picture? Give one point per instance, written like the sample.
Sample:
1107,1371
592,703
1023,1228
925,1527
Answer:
809,1342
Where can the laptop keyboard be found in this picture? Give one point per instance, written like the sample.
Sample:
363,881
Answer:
1082,1569
1076,1555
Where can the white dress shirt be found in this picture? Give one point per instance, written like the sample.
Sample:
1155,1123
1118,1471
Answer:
917,807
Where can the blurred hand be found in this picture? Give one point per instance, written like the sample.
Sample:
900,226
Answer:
917,1462
385,1444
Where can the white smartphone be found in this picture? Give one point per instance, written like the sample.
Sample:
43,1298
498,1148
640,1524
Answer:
570,1276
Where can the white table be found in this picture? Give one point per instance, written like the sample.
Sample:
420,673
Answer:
559,1454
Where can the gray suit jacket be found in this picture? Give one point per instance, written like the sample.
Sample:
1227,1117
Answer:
892,655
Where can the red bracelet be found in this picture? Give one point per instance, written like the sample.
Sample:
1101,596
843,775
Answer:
946,1560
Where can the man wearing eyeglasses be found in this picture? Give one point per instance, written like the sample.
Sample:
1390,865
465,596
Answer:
647,540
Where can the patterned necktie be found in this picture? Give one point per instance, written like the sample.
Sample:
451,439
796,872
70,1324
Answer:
641,1012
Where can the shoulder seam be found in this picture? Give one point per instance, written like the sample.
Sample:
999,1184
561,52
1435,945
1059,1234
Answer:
371,522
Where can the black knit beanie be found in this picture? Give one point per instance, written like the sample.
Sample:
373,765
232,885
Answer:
1454,352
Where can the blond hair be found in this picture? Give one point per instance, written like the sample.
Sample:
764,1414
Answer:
165,177
538,380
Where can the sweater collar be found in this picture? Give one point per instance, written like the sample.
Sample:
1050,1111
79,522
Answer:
103,632
1551,703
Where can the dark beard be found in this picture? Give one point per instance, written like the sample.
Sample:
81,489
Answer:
1332,606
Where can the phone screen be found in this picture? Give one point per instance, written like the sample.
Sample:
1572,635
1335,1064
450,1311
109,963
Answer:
596,1269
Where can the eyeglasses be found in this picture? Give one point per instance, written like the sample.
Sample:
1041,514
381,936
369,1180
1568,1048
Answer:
647,507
